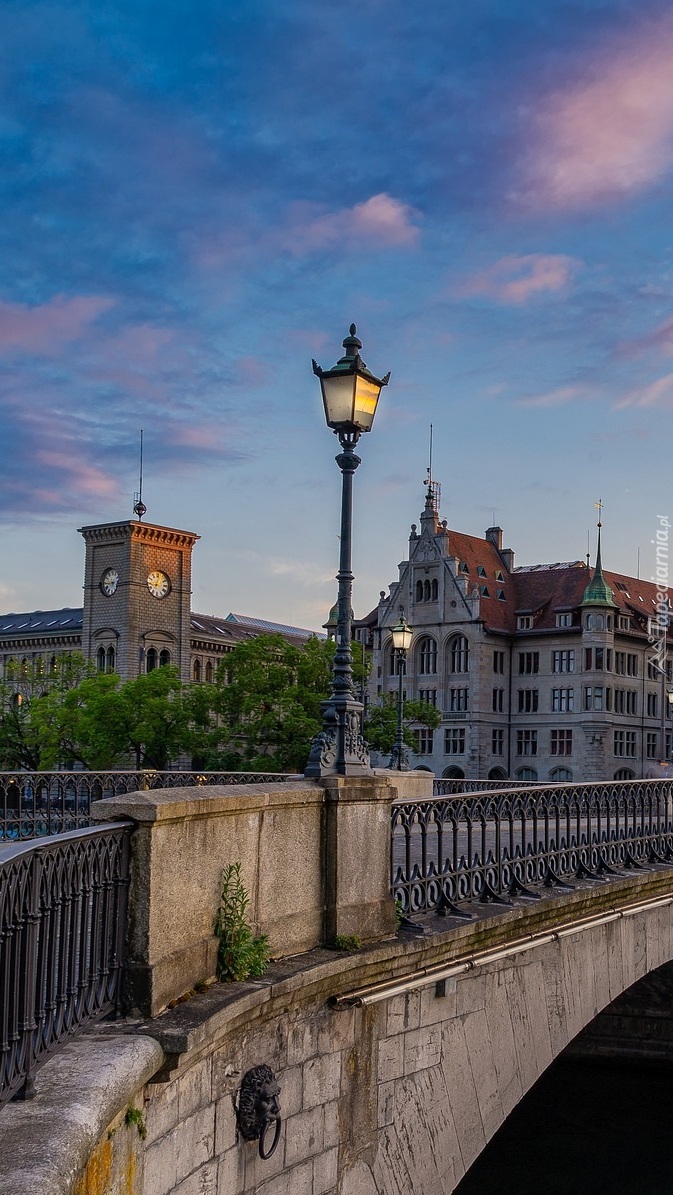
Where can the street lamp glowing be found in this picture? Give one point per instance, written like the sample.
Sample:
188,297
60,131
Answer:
350,391
402,635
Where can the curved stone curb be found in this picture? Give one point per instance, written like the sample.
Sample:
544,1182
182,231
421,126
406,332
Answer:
45,1143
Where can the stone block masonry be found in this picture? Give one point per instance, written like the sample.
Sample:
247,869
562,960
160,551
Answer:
390,1098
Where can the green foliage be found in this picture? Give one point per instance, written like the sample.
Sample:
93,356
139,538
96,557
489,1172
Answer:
349,942
241,955
381,722
135,1116
268,697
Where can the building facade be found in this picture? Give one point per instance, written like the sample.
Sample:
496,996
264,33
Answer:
136,614
547,673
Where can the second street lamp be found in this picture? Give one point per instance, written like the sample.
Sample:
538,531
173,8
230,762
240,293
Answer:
402,634
350,395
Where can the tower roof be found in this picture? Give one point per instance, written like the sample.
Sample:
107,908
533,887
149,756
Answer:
598,592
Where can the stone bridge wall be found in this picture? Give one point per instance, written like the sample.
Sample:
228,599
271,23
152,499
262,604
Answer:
392,1098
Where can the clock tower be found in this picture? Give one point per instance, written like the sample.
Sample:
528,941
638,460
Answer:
137,597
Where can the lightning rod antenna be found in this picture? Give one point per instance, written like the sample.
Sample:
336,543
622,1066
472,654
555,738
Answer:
139,507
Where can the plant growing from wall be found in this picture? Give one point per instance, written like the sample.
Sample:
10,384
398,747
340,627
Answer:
241,954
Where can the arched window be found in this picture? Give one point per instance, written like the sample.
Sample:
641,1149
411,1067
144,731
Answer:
426,591
111,658
53,666
24,666
497,774
196,670
595,622
391,660
419,591
164,657
560,775
526,774
459,654
453,773
100,659
427,656
624,774
151,660
435,589
209,671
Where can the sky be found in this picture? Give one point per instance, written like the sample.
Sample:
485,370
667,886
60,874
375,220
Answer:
199,196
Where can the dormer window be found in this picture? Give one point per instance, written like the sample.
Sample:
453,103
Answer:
524,622
464,568
501,595
565,619
483,589
481,571
499,576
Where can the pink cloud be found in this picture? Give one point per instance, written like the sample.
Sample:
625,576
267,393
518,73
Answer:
660,337
515,279
50,326
552,398
611,134
380,221
657,393
78,476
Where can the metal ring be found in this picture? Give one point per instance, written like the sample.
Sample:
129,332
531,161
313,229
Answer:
274,1143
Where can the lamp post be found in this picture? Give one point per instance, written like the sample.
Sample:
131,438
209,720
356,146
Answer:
350,394
402,633
668,755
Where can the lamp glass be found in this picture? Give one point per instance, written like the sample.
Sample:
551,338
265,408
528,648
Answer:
402,635
337,395
366,399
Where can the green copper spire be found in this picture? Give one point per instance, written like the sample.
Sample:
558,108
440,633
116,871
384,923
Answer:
598,592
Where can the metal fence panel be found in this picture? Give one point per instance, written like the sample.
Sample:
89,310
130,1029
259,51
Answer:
492,845
62,934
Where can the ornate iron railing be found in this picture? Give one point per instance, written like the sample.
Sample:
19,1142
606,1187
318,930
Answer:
37,804
495,845
444,788
62,933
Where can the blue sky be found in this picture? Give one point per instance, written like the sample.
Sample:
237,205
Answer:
198,197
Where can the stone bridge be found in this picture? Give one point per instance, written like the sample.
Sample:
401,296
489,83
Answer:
397,1062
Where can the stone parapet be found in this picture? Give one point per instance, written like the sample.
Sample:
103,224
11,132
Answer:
315,862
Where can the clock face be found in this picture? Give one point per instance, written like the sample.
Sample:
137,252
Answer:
109,581
158,583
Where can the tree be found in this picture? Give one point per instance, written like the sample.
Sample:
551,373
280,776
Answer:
381,722
29,698
268,697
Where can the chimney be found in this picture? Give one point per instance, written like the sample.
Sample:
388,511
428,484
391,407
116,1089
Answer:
494,536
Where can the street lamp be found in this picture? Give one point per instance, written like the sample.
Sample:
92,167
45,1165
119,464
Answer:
401,633
350,394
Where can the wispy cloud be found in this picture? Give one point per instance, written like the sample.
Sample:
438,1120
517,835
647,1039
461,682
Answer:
553,398
49,327
660,338
518,278
656,393
611,133
380,222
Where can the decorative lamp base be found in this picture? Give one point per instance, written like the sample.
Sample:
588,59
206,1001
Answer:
399,760
339,748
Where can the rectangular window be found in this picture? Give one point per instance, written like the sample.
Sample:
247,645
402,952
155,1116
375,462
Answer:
652,704
598,697
498,700
561,742
497,742
428,696
588,659
458,699
626,663
564,620
524,622
608,699
594,697
651,739
624,622
588,697
528,700
563,661
454,741
562,700
599,656
625,743
526,742
529,662
423,741
499,662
